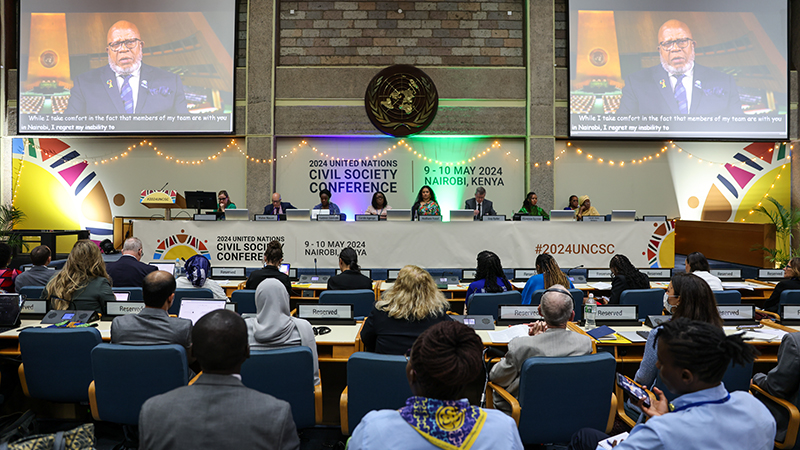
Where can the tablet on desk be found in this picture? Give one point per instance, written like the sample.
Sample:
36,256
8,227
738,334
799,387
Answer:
165,266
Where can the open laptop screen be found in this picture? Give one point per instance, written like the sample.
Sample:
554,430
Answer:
194,309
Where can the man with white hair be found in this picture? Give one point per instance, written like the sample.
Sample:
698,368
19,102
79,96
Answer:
548,338
126,85
128,270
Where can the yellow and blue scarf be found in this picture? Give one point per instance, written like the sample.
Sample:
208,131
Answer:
447,424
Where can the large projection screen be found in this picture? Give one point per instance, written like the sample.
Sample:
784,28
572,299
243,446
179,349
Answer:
135,67
699,69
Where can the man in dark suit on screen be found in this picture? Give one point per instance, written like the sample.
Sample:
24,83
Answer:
126,85
480,205
128,270
678,85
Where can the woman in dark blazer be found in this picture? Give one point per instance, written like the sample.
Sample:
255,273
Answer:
792,281
351,277
625,277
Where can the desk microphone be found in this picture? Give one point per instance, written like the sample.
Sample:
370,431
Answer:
165,185
576,267
315,266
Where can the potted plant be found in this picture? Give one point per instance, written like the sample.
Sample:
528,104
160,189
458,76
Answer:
10,217
786,222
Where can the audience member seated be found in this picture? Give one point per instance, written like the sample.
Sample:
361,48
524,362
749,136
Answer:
586,208
693,357
782,381
82,283
624,276
687,296
426,204
548,338
697,264
548,274
217,411
153,325
129,270
529,207
379,205
273,257
489,276
273,327
791,272
38,274
573,203
198,268
277,206
326,203
351,277
410,307
445,359
7,275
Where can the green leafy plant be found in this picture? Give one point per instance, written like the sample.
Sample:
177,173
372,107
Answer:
786,221
9,218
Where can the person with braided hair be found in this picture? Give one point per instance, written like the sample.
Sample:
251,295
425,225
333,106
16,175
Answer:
444,359
692,359
351,276
548,274
489,277
625,277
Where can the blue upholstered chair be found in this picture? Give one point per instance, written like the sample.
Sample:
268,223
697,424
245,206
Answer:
736,378
136,293
588,379
287,374
577,301
373,382
790,441
487,303
362,300
56,363
650,301
728,297
31,292
245,300
125,376
790,297
188,293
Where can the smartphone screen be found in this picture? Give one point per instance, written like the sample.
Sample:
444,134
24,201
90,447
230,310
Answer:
633,389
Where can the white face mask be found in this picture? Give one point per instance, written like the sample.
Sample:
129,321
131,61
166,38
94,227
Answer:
667,305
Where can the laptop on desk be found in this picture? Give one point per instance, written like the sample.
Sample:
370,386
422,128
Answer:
165,266
297,215
623,215
462,215
237,214
398,215
562,215
195,308
9,311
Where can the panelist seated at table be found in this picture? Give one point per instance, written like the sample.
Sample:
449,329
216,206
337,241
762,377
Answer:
548,274
783,382
573,203
480,205
273,257
198,269
326,203
277,206
585,208
224,201
548,338
129,270
697,264
792,274
442,362
379,205
273,326
489,276
425,204
83,283
530,208
411,306
351,278
693,357
38,274
7,275
624,277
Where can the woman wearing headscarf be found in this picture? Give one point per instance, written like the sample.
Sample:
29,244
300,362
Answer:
586,208
198,270
274,328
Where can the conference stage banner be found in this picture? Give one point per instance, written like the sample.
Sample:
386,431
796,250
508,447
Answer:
426,244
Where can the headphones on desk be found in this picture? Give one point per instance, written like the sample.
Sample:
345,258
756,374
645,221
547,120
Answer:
319,331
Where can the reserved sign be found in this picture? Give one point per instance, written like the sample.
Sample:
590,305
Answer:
325,311
468,274
736,312
598,273
770,273
34,307
791,312
123,308
657,273
524,274
221,272
516,312
727,273
616,312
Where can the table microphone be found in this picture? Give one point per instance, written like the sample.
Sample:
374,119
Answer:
576,267
165,185
315,266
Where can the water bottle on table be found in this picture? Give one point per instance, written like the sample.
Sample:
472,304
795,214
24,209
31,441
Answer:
590,312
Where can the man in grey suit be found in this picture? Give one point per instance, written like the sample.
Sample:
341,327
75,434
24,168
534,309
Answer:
39,274
783,381
217,411
480,205
548,338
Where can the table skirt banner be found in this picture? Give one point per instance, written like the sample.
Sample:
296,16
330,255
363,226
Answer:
395,244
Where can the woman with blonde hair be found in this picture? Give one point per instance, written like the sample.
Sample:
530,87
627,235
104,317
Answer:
83,283
410,307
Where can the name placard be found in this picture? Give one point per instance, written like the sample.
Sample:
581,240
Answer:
791,312
392,274
594,218
594,274
736,312
266,217
430,218
329,218
468,274
204,217
501,218
531,218
657,273
367,217
34,307
770,273
517,312
223,272
325,311
524,274
727,273
616,312
123,308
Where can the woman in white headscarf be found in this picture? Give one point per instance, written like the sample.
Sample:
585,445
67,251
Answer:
274,328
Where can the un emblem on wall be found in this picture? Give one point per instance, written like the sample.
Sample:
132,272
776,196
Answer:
48,59
401,100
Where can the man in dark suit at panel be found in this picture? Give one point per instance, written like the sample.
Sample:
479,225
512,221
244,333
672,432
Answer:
217,411
128,270
480,205
277,206
126,85
678,85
